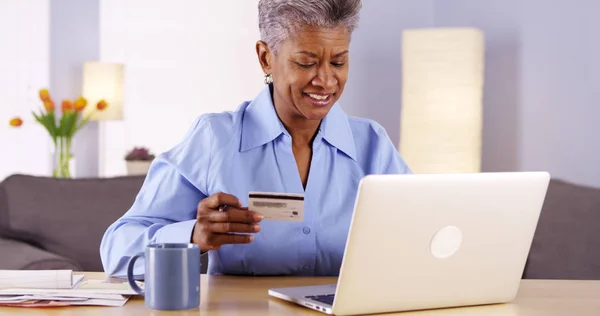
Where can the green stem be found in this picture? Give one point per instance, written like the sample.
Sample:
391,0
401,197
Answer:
62,157
63,151
68,157
56,150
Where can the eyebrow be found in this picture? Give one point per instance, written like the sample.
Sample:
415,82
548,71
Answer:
315,55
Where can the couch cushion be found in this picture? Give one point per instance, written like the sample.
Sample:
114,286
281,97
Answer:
23,256
67,216
3,212
567,240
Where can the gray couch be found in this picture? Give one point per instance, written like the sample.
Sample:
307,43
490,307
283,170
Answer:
48,223
566,244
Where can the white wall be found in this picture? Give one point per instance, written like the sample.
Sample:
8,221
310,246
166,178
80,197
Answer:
24,69
542,71
183,58
540,108
74,39
560,69
374,87
500,22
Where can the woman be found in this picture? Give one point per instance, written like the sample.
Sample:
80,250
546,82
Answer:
293,137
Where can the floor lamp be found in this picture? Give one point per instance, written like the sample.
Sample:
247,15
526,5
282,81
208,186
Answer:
442,90
103,80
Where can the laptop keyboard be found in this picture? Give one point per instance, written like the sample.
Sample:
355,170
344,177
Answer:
326,299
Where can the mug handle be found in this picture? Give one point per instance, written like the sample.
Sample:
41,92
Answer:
130,277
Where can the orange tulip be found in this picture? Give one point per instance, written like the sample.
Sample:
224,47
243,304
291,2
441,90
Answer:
15,122
66,106
44,95
101,105
49,105
80,104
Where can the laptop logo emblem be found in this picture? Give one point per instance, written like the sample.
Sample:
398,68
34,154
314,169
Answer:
446,242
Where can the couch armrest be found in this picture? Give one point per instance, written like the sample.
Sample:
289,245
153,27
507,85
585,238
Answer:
18,255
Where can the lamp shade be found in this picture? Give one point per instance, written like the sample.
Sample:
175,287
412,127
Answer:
103,81
442,92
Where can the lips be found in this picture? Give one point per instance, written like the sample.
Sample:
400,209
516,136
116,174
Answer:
318,99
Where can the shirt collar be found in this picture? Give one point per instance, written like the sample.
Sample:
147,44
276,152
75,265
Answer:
337,132
261,124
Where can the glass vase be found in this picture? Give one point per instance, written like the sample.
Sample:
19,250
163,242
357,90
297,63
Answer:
62,158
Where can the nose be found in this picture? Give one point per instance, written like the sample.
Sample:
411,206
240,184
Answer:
325,78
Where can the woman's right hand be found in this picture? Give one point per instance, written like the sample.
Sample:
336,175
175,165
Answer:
214,228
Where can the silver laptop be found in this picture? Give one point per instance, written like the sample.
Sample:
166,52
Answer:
432,241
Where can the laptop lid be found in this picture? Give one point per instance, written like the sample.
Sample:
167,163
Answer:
431,241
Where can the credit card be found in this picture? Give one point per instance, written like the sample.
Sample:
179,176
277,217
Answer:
277,206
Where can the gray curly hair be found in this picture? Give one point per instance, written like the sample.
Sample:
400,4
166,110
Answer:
279,19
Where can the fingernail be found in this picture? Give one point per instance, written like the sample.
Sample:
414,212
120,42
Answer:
259,217
251,238
256,227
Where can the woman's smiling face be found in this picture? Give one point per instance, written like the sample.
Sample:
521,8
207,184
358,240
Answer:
309,71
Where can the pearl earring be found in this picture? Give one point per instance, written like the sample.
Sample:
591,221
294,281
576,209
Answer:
268,79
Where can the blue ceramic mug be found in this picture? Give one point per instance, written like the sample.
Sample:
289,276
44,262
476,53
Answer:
171,278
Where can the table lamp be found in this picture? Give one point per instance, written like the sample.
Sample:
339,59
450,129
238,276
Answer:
102,80
442,92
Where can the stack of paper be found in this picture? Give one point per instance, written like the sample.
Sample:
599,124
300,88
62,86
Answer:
39,279
60,288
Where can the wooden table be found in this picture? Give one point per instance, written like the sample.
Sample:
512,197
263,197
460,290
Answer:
224,295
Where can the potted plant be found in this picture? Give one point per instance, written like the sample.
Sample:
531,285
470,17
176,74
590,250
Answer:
138,161
61,127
